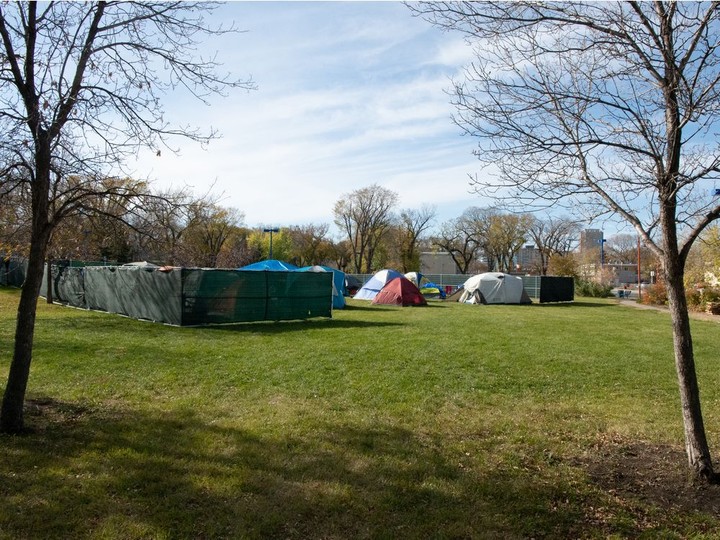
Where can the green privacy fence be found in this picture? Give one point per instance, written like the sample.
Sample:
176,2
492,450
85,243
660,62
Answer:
243,296
193,296
549,288
12,271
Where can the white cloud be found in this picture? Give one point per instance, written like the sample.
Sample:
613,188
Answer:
350,95
454,51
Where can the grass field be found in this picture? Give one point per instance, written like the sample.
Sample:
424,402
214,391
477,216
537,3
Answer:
450,421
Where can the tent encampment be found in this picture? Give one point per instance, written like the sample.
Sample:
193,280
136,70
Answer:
375,283
494,288
416,278
352,285
432,290
400,291
271,265
338,299
456,295
427,288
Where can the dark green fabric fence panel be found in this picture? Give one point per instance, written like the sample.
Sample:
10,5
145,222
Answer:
140,293
68,285
299,295
12,271
227,296
217,296
557,289
549,288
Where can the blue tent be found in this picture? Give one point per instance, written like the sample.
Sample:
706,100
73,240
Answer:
272,265
338,283
375,283
432,290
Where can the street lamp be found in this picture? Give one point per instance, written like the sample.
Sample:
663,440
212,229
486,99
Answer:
271,230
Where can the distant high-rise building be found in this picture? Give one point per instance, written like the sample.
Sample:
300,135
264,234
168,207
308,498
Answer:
591,239
528,259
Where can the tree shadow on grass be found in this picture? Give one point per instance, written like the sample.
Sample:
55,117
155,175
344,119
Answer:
365,306
375,307
571,305
93,324
434,304
281,327
137,474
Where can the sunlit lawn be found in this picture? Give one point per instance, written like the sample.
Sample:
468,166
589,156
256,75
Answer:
451,421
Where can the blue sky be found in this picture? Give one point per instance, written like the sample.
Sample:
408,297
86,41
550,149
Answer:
349,94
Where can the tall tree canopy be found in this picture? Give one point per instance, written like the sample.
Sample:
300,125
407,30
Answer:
364,216
311,244
501,236
553,236
611,109
413,224
83,88
459,237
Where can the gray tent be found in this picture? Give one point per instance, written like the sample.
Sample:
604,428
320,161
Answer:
494,288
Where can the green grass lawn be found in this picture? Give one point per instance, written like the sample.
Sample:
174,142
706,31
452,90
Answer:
450,421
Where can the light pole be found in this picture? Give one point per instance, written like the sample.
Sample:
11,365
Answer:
271,230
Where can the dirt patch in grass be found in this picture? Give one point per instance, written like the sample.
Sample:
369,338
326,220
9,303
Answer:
649,475
41,412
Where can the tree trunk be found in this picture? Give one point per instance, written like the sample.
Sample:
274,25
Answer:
696,444
11,414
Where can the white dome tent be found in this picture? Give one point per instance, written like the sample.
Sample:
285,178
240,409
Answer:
494,288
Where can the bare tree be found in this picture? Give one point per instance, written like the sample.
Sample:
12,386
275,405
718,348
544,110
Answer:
108,214
413,223
608,108
553,236
459,238
364,216
502,236
341,253
621,248
498,235
15,218
310,244
210,226
159,226
235,252
82,89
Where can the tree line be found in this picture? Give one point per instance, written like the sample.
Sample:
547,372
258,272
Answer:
131,222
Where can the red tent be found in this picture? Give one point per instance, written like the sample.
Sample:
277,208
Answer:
400,291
